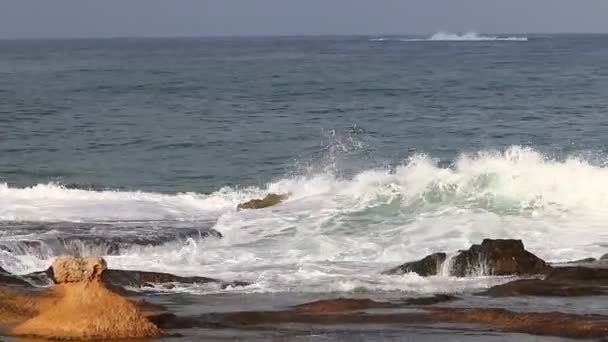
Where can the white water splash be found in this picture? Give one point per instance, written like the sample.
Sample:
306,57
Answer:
336,234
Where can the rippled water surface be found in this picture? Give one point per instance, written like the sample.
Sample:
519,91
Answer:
389,147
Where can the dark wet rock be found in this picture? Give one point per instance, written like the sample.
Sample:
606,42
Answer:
579,274
559,282
537,323
492,257
436,299
268,201
37,279
349,311
119,280
168,321
604,257
428,266
140,279
351,304
544,288
497,257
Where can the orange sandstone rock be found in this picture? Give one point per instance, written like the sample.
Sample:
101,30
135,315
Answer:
84,309
16,306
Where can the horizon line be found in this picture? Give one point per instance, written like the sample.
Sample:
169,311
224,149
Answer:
288,35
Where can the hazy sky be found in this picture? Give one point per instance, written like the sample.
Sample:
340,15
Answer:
111,18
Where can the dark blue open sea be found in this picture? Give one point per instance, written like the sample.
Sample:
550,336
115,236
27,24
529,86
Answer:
198,114
390,148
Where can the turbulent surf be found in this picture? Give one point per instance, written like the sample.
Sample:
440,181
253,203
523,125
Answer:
332,233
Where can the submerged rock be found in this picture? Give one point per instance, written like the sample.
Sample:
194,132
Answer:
81,242
357,311
537,323
83,308
427,266
168,320
492,257
340,305
84,239
581,261
7,278
268,201
435,299
586,262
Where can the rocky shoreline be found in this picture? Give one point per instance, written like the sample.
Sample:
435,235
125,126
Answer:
114,311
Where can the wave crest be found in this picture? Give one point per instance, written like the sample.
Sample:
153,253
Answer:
516,179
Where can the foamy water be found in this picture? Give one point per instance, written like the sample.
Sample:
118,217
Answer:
336,234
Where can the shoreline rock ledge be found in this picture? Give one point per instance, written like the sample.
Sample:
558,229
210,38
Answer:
492,257
83,308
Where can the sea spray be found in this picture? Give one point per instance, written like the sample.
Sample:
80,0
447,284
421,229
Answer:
338,233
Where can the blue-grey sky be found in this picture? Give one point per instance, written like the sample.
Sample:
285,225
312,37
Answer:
135,18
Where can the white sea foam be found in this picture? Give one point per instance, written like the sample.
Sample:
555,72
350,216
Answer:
337,234
52,202
446,36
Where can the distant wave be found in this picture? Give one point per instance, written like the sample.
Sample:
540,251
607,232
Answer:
446,36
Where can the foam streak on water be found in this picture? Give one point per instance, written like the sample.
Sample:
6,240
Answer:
338,234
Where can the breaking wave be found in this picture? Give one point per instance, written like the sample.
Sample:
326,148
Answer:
336,233
515,181
446,36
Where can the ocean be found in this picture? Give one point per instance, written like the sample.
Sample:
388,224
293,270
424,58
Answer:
390,148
